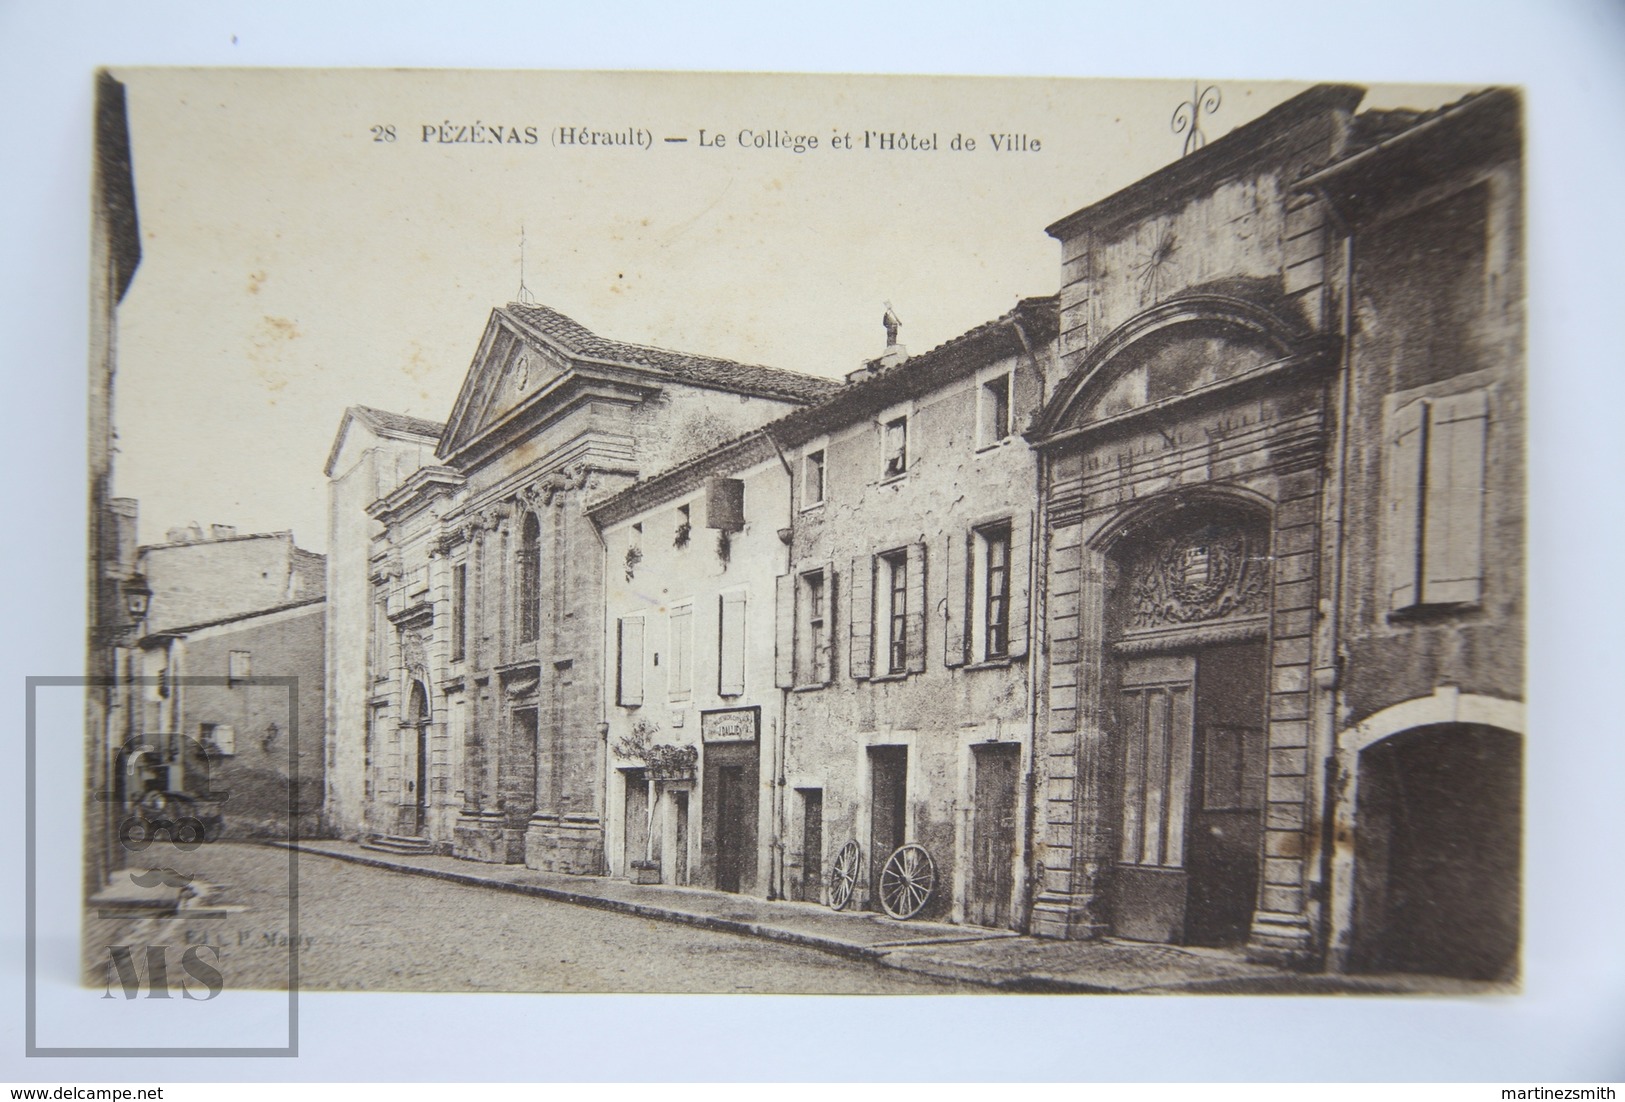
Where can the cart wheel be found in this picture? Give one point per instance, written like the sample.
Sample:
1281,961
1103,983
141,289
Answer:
907,881
843,877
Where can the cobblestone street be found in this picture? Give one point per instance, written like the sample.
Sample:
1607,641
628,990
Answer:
362,928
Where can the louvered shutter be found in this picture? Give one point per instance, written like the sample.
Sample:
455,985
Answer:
630,691
826,659
1453,536
731,646
1021,528
784,631
863,604
957,575
1404,520
914,617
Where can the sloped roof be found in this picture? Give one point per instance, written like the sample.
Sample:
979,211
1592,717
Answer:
847,404
384,421
707,371
1376,126
236,617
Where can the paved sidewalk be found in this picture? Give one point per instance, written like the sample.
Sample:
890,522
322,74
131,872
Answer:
997,959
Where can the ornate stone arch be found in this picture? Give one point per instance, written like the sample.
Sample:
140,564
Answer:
1189,343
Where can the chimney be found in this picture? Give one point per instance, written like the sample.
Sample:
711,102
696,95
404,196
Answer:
222,531
894,354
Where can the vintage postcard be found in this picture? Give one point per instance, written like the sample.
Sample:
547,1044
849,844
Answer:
585,532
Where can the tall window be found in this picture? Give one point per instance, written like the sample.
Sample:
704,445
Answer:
812,487
894,575
1435,501
459,611
895,447
995,586
815,595
530,579
993,411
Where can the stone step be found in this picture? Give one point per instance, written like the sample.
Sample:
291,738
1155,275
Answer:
399,844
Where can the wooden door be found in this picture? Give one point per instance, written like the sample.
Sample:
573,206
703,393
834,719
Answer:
1227,797
993,835
812,845
636,807
888,792
679,802
1154,731
730,799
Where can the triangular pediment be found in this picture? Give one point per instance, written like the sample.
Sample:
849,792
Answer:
510,368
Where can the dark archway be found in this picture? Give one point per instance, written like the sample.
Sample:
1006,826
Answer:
1438,853
1187,623
415,774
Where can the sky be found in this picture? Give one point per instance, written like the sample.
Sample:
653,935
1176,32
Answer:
297,261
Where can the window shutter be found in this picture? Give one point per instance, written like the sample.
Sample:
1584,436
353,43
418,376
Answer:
631,673
680,666
784,631
914,622
1024,398
863,607
957,574
1021,529
1453,538
731,667
827,657
1405,504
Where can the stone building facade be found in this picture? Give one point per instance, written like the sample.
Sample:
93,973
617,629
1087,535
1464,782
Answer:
1184,606
693,555
903,619
263,769
373,453
1426,807
1235,494
485,734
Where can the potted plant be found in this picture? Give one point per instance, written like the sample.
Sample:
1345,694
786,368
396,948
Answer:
661,762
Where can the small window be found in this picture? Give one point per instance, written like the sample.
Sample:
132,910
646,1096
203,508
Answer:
1232,769
895,445
237,666
812,483
685,527
993,411
218,738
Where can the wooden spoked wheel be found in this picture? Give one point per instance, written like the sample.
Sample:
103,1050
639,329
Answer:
843,876
907,881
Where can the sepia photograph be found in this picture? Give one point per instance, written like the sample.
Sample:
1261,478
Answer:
801,534
861,544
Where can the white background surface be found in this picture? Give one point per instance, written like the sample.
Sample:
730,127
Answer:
1570,1022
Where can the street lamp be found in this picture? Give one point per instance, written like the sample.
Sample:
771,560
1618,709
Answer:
137,596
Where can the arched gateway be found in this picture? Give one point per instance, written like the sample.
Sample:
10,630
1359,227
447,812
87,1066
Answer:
1181,482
